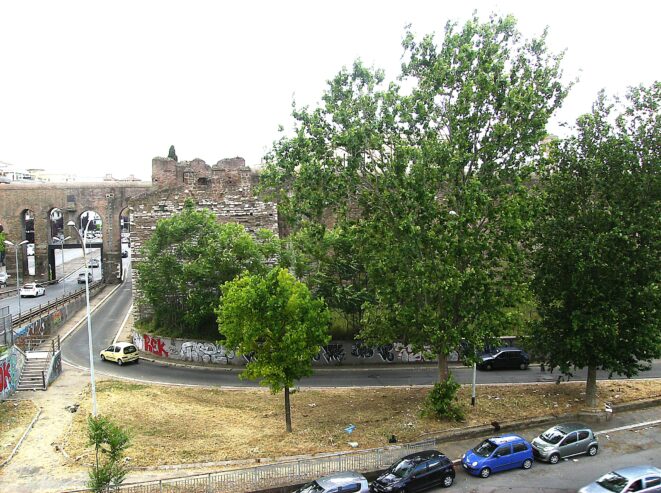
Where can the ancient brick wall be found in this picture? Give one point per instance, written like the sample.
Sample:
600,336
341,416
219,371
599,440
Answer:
226,188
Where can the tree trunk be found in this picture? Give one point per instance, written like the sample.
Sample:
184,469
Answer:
443,372
591,388
287,410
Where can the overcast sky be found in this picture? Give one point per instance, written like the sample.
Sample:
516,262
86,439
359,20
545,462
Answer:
95,87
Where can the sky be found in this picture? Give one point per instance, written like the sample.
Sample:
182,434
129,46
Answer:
92,87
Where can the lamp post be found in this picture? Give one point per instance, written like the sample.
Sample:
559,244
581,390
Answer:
87,300
18,278
61,241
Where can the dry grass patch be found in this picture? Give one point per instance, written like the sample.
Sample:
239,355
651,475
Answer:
183,425
15,416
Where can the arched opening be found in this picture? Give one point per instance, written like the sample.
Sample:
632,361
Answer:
56,225
90,226
27,221
125,221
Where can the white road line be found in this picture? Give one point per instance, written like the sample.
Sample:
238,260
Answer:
630,427
121,327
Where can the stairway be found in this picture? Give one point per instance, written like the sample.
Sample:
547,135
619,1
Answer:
31,376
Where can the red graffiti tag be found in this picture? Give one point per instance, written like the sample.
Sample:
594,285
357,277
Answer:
155,345
5,376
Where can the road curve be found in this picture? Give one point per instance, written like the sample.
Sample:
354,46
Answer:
107,319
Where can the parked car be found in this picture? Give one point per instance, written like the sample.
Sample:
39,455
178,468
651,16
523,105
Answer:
498,454
341,482
504,358
3,279
416,472
565,440
94,262
121,352
636,478
81,278
32,289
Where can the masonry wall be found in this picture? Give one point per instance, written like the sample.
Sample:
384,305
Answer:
226,189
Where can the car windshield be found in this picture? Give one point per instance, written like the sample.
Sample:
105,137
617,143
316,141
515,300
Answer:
402,469
312,487
485,449
613,482
552,436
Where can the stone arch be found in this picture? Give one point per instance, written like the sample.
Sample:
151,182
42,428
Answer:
55,225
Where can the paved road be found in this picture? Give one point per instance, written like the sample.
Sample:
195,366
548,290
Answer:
74,264
619,449
107,319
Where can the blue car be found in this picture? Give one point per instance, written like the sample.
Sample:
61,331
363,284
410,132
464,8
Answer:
498,454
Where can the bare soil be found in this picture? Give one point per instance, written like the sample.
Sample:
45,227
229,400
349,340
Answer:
184,425
15,416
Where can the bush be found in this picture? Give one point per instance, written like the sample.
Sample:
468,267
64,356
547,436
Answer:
441,402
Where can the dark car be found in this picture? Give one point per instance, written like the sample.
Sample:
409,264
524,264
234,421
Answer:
416,472
504,358
81,278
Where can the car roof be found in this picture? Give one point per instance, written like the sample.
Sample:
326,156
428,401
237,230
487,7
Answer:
339,479
29,285
420,456
637,471
503,439
569,427
123,344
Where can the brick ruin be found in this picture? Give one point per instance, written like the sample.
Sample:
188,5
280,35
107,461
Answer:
226,188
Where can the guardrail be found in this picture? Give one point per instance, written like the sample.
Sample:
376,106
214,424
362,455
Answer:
277,473
26,316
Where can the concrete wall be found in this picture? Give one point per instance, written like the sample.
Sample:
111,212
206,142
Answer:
11,366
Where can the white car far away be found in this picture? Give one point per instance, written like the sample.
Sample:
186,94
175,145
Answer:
33,290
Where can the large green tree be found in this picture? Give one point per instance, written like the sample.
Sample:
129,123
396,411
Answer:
186,260
431,179
597,251
274,319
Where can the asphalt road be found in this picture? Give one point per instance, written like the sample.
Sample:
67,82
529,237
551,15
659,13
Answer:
619,449
108,318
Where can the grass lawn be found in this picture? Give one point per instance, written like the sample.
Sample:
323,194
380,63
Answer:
15,416
185,425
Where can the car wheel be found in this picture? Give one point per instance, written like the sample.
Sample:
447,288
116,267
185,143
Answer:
527,464
523,366
592,451
447,481
103,358
554,459
488,367
485,472
120,362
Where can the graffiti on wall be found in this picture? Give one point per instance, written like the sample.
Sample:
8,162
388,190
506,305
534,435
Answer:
56,367
155,345
205,352
331,353
8,376
58,317
384,351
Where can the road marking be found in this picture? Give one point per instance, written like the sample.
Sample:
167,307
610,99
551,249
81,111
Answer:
121,327
630,427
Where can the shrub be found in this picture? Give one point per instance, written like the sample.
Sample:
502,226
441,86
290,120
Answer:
441,402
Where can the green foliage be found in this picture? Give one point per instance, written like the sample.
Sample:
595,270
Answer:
441,402
431,184
110,443
274,319
187,259
597,251
172,154
3,238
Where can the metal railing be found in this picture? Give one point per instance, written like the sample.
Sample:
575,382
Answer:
278,473
58,302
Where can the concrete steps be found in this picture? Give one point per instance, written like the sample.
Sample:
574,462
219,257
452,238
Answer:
32,377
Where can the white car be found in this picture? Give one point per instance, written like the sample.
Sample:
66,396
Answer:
3,279
348,481
32,289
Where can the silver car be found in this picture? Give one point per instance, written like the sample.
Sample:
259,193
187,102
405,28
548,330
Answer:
346,482
565,440
637,478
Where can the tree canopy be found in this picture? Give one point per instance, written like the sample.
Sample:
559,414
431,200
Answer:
273,318
432,180
597,249
187,259
172,154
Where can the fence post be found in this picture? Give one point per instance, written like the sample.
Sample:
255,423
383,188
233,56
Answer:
209,483
43,378
160,486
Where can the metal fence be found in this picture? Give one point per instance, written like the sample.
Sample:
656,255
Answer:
277,474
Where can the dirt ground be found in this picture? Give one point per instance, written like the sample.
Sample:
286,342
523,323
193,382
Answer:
181,425
15,416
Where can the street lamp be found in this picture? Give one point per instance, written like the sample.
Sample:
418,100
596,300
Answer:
61,241
87,300
18,278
